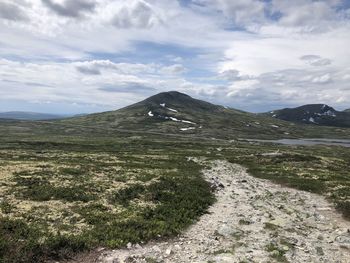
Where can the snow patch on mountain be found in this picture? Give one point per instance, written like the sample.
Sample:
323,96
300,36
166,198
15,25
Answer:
164,106
312,120
174,119
189,122
173,110
151,114
187,129
329,113
177,120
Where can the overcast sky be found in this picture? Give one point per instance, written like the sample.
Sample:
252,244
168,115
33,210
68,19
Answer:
82,56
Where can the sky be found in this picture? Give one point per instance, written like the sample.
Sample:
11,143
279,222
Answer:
84,56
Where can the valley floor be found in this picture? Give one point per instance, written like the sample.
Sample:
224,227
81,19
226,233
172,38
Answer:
253,220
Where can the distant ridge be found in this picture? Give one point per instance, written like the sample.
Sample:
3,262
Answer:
316,114
178,113
32,116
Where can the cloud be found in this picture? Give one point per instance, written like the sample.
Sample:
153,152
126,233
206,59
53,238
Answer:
43,82
88,70
260,54
71,8
310,16
323,79
10,11
130,87
175,69
239,12
233,75
301,13
96,67
236,53
288,88
315,60
137,14
177,59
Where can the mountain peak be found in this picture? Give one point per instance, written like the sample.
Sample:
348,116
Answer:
316,108
325,107
177,113
320,114
177,100
168,97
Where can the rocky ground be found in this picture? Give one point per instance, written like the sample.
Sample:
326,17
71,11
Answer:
253,220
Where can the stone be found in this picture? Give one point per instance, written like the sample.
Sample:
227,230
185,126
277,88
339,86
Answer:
138,246
278,222
319,251
224,258
225,231
156,249
275,253
285,248
168,251
177,247
267,215
343,239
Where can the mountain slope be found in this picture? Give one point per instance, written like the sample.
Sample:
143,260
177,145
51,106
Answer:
317,114
347,110
177,113
23,115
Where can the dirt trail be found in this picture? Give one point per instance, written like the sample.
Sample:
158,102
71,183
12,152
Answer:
253,220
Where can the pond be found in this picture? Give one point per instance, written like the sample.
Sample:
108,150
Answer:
307,142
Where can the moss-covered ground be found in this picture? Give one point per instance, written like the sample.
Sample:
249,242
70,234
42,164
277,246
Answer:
62,192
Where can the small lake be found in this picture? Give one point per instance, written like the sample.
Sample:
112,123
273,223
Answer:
307,142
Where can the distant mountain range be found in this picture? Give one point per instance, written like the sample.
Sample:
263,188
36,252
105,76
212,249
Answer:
316,114
33,116
177,113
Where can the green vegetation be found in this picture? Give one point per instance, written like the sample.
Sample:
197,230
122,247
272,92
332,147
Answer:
58,198
244,222
276,252
270,226
68,188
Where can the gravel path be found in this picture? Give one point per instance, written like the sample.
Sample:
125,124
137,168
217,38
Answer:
253,220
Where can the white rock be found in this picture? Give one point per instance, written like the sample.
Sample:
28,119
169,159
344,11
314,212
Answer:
156,249
225,230
177,247
168,251
223,258
138,246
